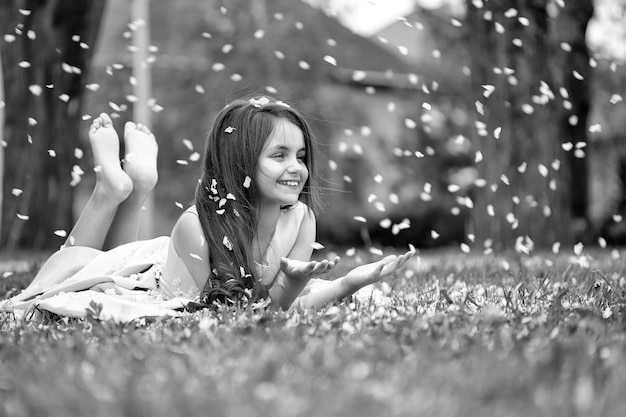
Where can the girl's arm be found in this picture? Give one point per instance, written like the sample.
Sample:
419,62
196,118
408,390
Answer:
190,245
356,279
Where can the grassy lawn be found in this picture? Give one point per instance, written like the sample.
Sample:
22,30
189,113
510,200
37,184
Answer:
452,335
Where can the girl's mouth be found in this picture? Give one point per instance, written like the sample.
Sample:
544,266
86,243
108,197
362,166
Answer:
291,183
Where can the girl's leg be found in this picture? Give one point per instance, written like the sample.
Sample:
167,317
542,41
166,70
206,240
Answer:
113,186
140,164
86,239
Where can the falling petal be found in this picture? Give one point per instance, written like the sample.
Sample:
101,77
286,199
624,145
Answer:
489,89
376,251
359,75
317,246
35,89
578,248
330,60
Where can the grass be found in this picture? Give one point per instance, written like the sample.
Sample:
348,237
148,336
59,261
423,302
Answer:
452,335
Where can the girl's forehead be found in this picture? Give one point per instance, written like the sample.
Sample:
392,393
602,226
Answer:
285,133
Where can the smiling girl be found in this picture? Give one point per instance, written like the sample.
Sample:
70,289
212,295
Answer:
249,235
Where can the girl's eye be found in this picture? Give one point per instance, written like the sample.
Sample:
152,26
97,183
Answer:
279,155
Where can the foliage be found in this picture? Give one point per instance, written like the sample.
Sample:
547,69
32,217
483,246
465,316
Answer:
453,335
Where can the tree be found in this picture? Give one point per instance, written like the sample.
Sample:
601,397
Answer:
520,130
572,73
45,58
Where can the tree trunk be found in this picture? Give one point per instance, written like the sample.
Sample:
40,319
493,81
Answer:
45,68
572,72
528,177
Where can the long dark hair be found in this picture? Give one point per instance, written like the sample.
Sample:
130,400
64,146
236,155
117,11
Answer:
226,195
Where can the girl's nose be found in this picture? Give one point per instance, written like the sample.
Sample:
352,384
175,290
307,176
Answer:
294,165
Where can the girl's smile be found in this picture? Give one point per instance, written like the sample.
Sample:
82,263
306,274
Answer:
281,169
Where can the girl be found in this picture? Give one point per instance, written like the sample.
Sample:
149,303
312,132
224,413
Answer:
249,236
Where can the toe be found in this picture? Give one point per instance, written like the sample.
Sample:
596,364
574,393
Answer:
105,119
129,126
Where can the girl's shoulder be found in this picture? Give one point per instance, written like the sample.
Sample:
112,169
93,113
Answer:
192,209
188,224
299,211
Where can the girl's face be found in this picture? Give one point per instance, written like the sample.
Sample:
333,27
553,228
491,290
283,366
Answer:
281,170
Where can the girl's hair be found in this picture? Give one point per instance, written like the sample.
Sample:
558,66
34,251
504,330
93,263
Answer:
226,194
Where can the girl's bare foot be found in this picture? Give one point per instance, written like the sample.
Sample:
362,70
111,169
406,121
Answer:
140,162
111,181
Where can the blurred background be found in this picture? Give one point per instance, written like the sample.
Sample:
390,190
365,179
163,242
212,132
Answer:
459,123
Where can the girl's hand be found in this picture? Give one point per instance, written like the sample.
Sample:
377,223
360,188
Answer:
368,274
301,270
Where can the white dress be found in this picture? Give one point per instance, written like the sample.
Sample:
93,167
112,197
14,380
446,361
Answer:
138,279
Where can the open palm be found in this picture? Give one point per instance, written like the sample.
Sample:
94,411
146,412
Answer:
375,271
302,270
